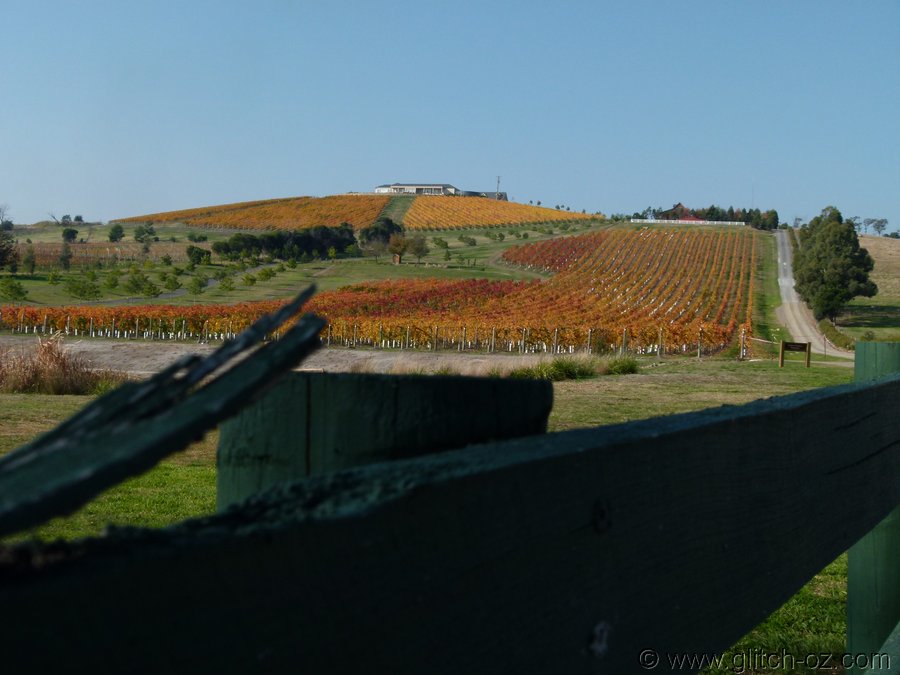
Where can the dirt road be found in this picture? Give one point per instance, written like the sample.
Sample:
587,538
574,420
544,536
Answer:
143,358
793,312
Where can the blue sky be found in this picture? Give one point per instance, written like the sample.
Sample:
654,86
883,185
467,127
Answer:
111,109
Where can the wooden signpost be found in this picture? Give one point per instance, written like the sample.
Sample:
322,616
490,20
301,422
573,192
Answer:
794,347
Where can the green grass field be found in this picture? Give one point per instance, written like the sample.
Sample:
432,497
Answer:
877,318
184,485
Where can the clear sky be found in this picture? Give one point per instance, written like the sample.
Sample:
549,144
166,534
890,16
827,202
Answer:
111,109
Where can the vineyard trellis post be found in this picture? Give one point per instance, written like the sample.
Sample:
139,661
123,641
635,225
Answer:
493,346
555,339
699,342
44,329
590,341
659,345
624,349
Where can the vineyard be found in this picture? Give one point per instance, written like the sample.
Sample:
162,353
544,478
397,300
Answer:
91,253
432,213
683,289
444,213
277,214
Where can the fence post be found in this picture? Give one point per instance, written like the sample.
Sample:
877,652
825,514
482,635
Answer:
300,428
873,563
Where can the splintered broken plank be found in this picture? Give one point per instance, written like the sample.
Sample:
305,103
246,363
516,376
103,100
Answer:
129,430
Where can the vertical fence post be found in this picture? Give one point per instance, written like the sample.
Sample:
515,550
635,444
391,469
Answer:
873,563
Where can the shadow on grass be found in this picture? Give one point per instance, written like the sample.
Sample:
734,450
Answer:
871,316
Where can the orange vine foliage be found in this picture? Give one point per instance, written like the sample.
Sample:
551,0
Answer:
278,214
687,285
442,212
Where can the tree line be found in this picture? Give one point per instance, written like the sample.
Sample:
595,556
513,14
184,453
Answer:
761,220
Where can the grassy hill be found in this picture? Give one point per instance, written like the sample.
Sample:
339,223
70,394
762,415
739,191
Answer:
877,318
418,213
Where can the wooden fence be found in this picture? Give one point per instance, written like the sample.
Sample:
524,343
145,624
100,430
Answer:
588,551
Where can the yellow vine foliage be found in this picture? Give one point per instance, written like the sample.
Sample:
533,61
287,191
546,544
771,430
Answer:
292,213
441,213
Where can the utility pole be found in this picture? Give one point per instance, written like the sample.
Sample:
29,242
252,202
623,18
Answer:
497,193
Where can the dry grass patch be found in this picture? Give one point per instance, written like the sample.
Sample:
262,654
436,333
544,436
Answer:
50,368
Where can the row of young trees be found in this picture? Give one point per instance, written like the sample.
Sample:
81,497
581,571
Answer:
383,236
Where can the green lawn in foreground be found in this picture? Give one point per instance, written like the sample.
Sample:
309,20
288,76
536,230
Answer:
184,486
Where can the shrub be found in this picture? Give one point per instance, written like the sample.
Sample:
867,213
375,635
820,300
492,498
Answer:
622,366
12,290
561,368
50,369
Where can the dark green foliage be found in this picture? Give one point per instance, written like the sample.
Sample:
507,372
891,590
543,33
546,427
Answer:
623,366
192,236
144,233
83,289
197,255
69,234
285,245
12,290
380,230
28,260
116,232
65,256
139,284
831,268
8,252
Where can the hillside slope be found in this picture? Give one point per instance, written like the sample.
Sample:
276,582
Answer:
277,214
413,212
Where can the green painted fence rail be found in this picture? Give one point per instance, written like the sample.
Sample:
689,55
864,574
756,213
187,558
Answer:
574,552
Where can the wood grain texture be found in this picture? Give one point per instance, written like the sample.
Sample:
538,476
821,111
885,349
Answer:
562,553
314,423
130,429
873,563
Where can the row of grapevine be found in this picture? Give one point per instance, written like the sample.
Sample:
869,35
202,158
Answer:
442,212
675,288
278,214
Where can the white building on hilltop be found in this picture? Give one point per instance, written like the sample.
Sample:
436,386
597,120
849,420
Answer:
434,189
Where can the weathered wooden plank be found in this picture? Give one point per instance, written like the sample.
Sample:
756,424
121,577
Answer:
313,423
886,659
133,427
563,553
873,563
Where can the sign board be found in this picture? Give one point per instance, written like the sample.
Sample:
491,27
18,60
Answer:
794,347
